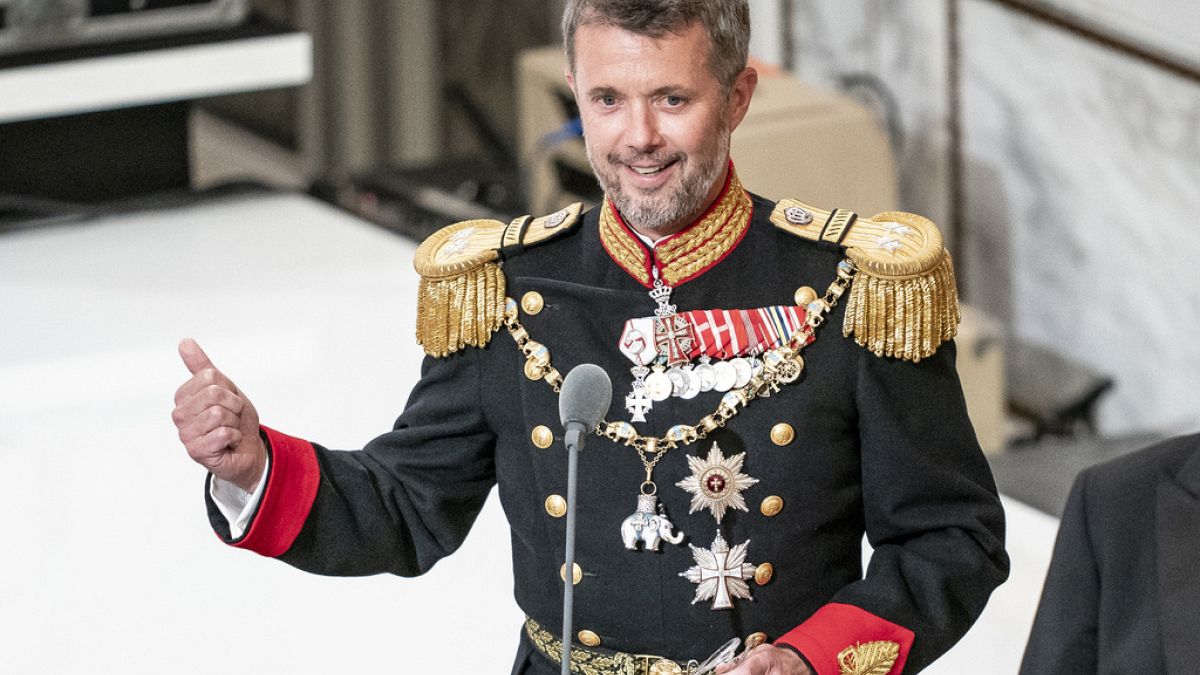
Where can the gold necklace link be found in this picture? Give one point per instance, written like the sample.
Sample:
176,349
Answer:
782,365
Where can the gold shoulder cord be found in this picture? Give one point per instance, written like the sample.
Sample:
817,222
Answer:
904,303
781,365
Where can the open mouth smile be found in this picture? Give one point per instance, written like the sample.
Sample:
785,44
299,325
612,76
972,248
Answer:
652,170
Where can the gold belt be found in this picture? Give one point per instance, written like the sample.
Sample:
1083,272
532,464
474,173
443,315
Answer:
588,661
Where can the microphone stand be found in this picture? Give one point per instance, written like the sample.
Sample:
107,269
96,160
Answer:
573,438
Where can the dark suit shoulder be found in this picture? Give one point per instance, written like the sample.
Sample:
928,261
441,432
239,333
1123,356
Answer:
1137,471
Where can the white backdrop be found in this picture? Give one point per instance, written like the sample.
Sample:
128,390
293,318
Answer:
108,564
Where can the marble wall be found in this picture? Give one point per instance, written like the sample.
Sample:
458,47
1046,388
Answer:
1083,187
1082,183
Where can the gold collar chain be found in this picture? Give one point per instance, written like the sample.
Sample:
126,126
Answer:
781,365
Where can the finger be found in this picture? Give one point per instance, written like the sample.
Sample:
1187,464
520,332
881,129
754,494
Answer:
204,378
193,356
748,663
211,448
210,396
206,421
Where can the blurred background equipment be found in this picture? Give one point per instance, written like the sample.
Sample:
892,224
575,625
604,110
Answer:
28,25
103,115
797,140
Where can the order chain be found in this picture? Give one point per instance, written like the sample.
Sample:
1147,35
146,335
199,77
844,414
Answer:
781,365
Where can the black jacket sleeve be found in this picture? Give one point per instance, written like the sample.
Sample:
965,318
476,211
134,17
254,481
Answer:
401,503
930,504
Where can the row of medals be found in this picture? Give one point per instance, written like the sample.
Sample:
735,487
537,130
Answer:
687,381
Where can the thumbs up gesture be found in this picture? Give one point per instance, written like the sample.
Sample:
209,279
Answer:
217,423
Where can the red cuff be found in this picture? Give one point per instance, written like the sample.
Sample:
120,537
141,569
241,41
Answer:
291,491
836,628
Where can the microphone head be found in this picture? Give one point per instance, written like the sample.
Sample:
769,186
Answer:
586,395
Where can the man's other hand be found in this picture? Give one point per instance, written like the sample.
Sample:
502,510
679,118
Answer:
767,660
217,423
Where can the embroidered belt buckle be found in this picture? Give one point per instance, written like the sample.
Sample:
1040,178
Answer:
590,661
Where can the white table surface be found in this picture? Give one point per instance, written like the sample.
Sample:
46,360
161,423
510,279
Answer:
109,565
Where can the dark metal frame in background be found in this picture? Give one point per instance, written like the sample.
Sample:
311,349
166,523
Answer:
1096,33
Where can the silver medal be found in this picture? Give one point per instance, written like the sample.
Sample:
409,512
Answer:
693,386
658,386
707,376
726,376
679,381
744,372
756,366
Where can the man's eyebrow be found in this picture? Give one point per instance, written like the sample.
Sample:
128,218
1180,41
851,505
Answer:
601,91
673,90
665,90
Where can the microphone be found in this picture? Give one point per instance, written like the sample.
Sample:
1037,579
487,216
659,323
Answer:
585,397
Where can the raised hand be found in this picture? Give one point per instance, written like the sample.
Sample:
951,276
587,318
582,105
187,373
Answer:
217,423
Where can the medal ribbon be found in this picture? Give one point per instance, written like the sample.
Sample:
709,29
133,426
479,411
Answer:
718,333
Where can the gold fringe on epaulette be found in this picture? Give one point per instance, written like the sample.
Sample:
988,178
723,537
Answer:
460,310
906,318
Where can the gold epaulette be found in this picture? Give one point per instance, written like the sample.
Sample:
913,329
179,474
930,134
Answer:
461,295
903,302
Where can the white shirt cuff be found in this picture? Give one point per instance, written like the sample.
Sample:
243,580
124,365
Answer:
236,504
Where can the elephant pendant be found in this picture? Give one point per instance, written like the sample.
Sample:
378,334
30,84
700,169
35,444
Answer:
648,524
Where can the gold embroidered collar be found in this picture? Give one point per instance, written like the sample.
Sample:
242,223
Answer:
687,254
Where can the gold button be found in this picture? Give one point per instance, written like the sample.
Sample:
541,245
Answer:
782,434
805,295
556,506
665,667
763,574
532,302
576,573
754,639
771,506
589,639
542,437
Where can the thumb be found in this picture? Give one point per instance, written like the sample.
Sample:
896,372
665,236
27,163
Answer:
193,356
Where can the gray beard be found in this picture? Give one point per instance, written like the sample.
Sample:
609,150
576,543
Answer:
655,212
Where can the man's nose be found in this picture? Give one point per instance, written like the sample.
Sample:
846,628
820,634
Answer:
643,133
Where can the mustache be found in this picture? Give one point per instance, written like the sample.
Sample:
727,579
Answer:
654,158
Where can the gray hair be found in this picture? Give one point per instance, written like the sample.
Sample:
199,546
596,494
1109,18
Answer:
727,23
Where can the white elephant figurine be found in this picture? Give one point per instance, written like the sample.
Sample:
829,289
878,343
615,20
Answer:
648,525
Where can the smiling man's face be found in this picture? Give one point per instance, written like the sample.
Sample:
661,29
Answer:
656,122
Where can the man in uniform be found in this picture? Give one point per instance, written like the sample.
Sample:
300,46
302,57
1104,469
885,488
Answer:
750,445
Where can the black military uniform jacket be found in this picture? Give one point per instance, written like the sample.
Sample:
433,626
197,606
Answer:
858,443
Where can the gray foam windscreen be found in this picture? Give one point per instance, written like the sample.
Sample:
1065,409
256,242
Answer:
586,395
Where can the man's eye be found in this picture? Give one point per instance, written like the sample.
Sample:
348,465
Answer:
608,101
674,101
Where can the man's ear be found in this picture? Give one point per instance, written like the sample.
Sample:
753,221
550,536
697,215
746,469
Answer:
570,81
740,95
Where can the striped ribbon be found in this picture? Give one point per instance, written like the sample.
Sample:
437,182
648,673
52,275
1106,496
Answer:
719,333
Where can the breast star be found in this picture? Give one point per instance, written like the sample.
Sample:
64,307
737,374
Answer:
717,482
